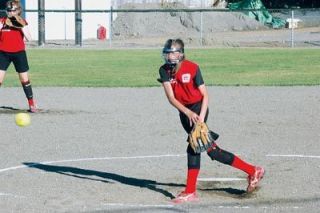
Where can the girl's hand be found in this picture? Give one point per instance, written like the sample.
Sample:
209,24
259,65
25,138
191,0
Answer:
193,117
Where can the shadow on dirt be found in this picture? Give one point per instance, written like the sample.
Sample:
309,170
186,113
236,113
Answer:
10,110
106,177
231,192
13,110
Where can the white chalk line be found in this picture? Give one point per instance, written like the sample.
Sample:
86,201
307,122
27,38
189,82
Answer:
221,179
135,157
293,156
137,205
90,159
10,195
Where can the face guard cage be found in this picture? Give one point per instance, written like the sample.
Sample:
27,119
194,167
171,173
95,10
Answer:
11,7
167,51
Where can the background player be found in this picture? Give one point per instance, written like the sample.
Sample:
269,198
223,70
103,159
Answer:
185,89
12,49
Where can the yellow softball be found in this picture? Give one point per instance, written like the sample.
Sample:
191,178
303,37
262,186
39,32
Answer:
22,119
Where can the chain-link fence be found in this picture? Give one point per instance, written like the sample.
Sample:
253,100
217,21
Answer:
210,3
143,28
218,28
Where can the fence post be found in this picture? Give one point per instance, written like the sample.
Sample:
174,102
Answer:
202,4
201,28
23,3
78,22
65,24
292,29
41,23
110,26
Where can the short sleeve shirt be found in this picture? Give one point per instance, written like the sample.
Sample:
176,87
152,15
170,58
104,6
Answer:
11,39
185,82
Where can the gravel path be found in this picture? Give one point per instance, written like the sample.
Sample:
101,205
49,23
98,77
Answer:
123,149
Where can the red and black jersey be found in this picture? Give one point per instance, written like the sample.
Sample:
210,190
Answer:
184,82
11,39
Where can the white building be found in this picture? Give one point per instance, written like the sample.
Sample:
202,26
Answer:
60,25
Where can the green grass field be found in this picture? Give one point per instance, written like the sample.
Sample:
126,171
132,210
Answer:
139,68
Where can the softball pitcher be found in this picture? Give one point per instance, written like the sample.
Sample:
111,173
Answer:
185,89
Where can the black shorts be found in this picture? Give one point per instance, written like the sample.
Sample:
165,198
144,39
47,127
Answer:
19,60
185,120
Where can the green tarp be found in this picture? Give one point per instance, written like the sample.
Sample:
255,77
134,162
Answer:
262,15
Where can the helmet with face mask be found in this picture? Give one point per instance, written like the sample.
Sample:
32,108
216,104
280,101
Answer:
13,6
173,46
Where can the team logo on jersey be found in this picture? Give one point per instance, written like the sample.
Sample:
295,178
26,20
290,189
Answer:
186,78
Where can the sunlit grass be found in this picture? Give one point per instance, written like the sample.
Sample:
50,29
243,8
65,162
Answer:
139,68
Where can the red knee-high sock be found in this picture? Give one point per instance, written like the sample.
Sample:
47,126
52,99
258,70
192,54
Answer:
31,102
242,165
192,180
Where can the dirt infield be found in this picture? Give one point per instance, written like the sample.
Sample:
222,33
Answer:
123,150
